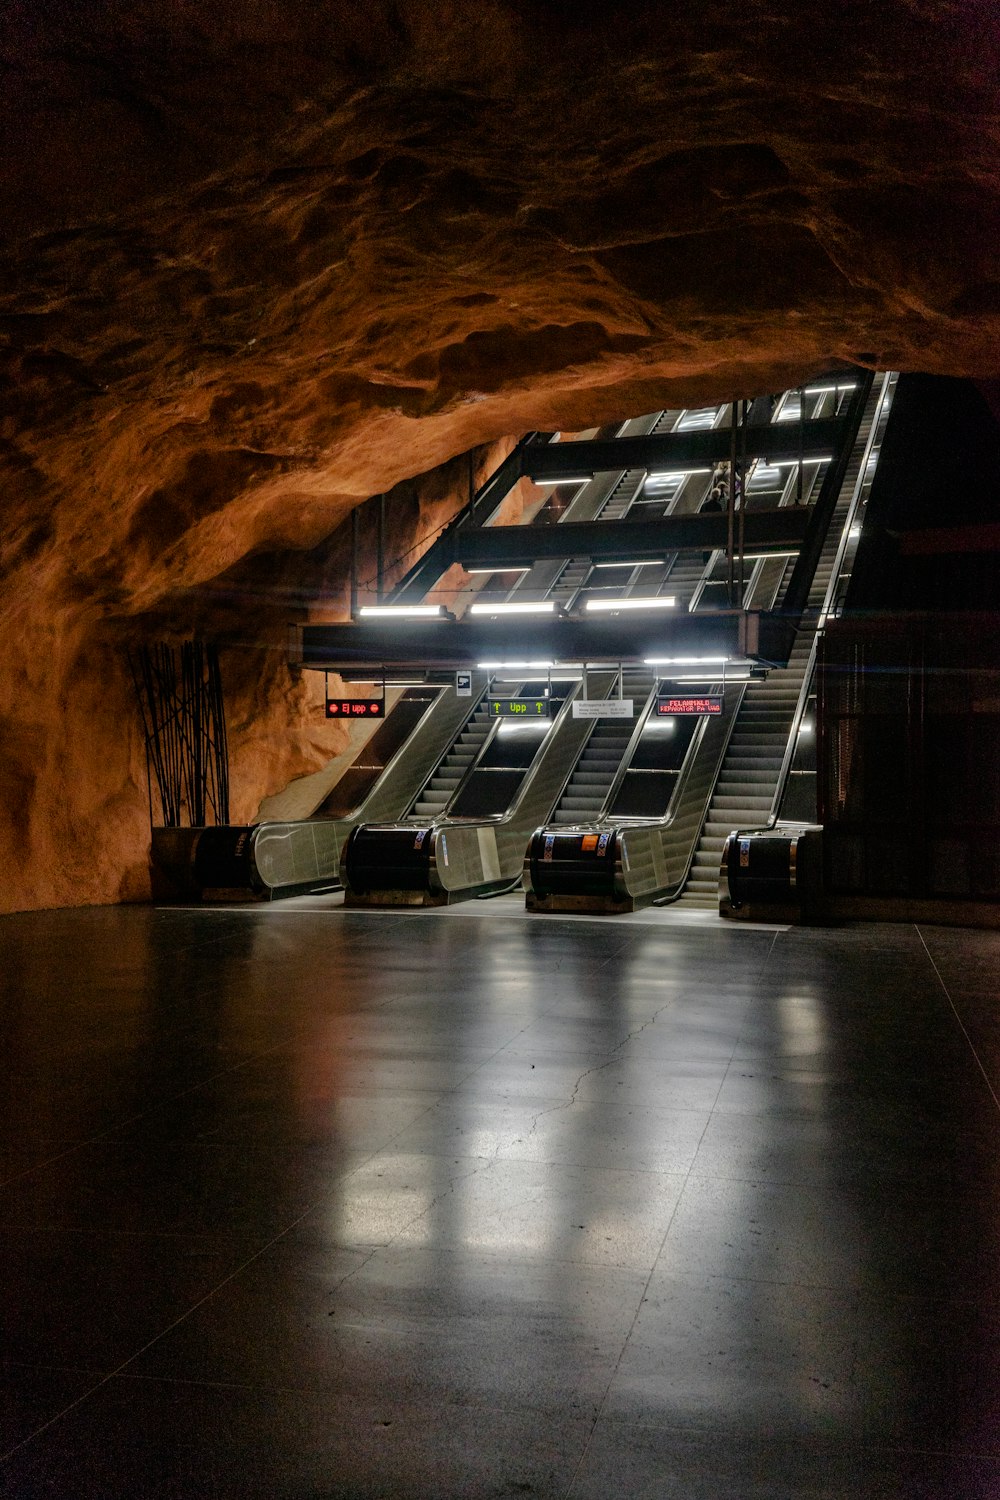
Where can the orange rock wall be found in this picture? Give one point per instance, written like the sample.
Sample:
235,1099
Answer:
261,261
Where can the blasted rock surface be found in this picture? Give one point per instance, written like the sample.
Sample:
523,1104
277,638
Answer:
262,261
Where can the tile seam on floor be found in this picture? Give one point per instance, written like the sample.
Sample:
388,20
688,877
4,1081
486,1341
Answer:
656,1259
113,1374
958,1018
144,1114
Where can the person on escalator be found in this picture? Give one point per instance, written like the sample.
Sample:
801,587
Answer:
714,504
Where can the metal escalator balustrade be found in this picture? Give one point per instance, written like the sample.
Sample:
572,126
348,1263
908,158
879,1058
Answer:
420,768
454,766
746,783
762,744
590,784
733,768
479,845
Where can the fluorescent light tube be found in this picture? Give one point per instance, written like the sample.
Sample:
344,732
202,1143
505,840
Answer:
607,605
736,674
500,568
537,607
512,666
649,562
403,612
552,479
685,661
792,463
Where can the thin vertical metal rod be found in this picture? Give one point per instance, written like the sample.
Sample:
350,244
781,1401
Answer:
743,494
802,443
731,506
380,548
355,538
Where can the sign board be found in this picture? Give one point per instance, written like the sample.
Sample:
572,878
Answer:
707,703
519,708
355,708
463,684
602,708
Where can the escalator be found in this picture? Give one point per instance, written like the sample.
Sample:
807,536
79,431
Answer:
744,792
279,858
425,738
590,783
463,792
473,843
736,766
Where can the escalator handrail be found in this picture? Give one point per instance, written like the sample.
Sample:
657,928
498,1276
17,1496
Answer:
630,749
800,584
494,820
831,591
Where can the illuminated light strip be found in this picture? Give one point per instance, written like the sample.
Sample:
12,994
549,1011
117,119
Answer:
539,607
403,612
686,661
674,473
514,666
607,605
650,562
513,568
576,479
738,674
792,463
762,556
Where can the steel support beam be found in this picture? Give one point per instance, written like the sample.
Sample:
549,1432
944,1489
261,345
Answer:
779,530
447,644
547,463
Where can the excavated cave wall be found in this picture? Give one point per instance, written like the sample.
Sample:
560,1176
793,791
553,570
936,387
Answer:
262,261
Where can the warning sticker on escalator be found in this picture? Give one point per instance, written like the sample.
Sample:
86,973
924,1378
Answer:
744,854
550,839
418,842
603,841
588,843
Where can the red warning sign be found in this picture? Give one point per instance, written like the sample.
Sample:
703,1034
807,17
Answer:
355,708
708,703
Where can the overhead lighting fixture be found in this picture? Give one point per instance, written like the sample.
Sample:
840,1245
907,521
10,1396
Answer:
792,463
514,666
608,605
825,390
535,607
502,568
404,612
674,473
554,480
734,674
685,661
649,562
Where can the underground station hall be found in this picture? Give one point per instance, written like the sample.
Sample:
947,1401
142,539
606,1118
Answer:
500,754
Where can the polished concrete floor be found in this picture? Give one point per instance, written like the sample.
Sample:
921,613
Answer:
300,1202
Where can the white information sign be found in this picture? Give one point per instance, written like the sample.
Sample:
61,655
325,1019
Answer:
463,684
602,708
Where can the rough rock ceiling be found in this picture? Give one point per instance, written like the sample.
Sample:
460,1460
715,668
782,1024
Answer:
260,261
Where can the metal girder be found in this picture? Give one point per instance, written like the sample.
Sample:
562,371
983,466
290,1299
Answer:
546,463
776,530
446,644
